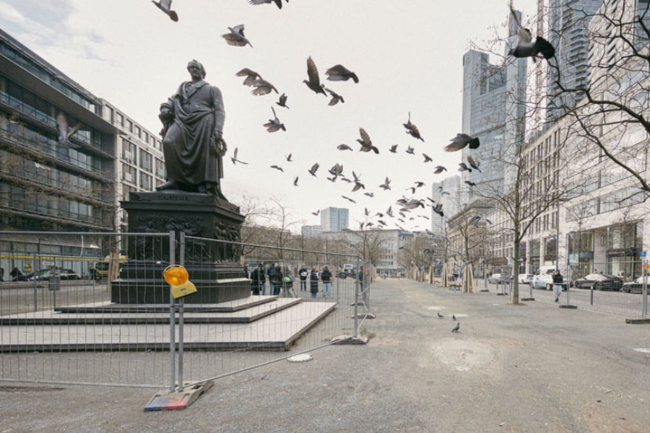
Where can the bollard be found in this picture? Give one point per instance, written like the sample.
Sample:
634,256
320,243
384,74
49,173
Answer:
591,295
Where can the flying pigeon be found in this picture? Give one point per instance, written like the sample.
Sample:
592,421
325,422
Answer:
464,167
288,158
262,87
165,6
386,185
470,183
316,213
393,148
295,181
460,141
64,133
336,170
456,328
419,184
475,164
314,169
438,209
427,158
283,101
414,204
366,212
277,168
314,80
336,98
389,212
526,47
236,37
369,194
366,143
250,75
439,169
274,125
343,147
440,316
357,183
234,158
341,73
348,199
410,150
382,223
411,129
278,3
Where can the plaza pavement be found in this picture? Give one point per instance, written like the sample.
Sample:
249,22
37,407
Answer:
533,368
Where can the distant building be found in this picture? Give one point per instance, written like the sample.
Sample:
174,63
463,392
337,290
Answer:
447,192
334,219
311,231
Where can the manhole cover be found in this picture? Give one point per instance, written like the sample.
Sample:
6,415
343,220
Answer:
642,350
303,357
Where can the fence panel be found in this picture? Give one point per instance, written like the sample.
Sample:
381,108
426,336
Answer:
284,314
58,317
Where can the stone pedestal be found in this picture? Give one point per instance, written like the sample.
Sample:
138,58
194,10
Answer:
213,267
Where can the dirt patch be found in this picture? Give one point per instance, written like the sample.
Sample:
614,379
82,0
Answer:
463,355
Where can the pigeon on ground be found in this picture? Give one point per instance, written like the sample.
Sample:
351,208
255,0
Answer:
440,316
262,87
439,169
165,6
427,158
274,125
343,147
464,167
453,316
277,168
460,141
341,73
278,3
349,199
456,328
393,148
526,46
386,185
366,143
283,101
411,129
288,158
475,164
314,80
250,75
336,98
236,37
314,169
470,183
234,158
64,133
295,181
410,150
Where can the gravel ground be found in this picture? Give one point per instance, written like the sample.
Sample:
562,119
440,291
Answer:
535,368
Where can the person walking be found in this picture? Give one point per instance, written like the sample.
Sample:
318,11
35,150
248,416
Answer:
313,282
258,279
276,280
271,273
2,274
303,273
557,284
326,278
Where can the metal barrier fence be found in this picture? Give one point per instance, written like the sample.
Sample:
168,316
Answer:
105,315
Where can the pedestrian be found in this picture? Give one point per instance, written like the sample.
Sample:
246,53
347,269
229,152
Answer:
276,280
15,274
326,278
557,284
2,274
247,271
271,274
303,273
258,279
313,282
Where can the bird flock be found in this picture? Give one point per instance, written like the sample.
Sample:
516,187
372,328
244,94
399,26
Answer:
527,46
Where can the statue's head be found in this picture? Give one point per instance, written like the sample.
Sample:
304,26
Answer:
195,64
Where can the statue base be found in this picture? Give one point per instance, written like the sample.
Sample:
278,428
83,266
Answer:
213,267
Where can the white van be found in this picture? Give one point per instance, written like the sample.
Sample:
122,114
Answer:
543,278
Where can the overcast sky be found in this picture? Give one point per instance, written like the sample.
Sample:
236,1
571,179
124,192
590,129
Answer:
407,54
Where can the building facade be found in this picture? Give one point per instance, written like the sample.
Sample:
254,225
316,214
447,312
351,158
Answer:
334,219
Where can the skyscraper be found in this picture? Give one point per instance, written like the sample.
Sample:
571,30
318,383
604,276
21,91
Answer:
334,219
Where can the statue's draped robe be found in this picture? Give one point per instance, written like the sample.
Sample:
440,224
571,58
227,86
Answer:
190,155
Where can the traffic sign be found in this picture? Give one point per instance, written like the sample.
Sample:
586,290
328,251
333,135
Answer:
642,254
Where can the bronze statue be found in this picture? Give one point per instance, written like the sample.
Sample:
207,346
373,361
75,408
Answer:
193,144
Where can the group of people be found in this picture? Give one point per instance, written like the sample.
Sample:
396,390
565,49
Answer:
280,277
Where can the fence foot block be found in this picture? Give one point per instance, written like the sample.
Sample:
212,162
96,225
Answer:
175,400
365,316
349,340
527,299
501,294
484,290
638,321
570,307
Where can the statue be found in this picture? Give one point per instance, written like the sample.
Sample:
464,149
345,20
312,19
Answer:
192,133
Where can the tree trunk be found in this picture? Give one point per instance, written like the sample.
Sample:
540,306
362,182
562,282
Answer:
515,273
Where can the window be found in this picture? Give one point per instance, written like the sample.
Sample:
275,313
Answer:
146,161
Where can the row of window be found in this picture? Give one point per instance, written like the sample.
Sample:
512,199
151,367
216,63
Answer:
117,118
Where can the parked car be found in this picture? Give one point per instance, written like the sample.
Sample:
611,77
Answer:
499,278
64,274
600,282
543,278
635,286
525,278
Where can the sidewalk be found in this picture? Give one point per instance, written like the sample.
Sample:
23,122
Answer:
535,368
